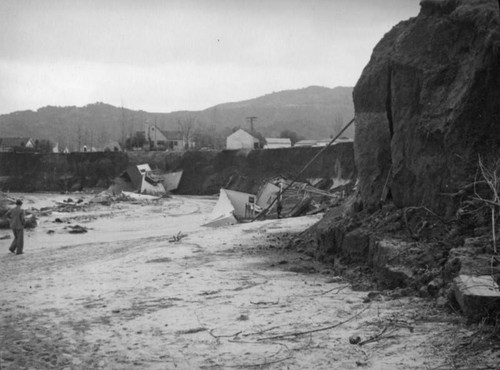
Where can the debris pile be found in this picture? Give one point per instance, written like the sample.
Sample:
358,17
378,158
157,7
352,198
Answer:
277,197
143,180
107,197
412,251
301,198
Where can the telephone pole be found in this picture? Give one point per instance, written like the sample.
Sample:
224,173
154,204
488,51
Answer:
122,144
251,120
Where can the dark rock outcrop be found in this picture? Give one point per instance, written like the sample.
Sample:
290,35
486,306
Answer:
428,105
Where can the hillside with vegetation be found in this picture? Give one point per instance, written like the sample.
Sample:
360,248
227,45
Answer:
313,112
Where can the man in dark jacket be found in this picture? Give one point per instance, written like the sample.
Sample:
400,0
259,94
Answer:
17,220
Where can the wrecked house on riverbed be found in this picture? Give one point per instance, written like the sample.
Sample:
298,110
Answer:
142,179
297,198
232,207
171,180
139,178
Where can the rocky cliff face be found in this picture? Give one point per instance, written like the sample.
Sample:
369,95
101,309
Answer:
428,104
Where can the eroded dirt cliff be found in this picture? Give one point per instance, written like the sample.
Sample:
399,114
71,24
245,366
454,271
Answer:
427,105
204,173
427,155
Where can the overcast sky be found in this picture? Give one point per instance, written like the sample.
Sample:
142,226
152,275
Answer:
166,55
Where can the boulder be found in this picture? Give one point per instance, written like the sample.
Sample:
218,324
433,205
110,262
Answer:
426,105
387,250
355,246
465,261
478,296
392,277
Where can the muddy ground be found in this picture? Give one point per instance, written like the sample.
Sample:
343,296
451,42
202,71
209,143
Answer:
126,295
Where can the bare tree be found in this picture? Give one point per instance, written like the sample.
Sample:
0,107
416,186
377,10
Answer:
79,137
123,128
186,126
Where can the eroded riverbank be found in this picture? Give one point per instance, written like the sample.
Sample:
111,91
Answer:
124,296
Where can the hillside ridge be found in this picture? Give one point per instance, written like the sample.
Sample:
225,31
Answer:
312,112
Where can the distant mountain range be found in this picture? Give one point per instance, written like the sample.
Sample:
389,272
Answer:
313,113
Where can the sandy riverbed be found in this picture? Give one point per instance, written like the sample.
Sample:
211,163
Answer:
123,296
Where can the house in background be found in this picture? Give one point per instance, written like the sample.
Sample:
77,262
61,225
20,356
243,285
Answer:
325,142
89,149
322,142
276,143
166,140
9,144
241,140
112,146
305,143
154,136
175,141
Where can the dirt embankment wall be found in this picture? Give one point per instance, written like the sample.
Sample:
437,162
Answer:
207,172
204,172
59,172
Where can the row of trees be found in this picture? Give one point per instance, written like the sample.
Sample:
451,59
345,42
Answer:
41,146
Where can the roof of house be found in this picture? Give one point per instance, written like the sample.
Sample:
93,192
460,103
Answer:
173,135
242,131
13,141
276,140
325,142
306,143
322,142
112,144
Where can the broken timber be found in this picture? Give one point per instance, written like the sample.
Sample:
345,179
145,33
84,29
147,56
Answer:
264,212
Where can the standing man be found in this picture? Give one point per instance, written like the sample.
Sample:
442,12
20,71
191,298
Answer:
17,221
279,205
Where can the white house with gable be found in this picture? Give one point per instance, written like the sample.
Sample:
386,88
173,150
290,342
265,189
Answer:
241,140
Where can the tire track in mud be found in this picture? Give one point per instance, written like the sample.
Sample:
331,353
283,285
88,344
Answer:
70,256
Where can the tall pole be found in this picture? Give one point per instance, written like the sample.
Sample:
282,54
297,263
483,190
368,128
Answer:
251,120
79,137
123,129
